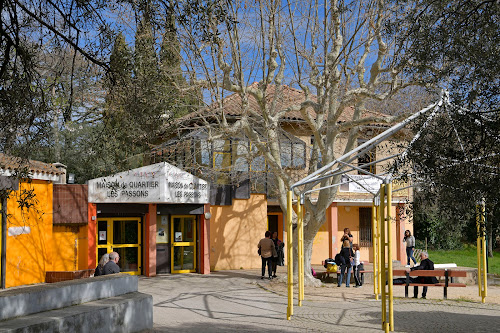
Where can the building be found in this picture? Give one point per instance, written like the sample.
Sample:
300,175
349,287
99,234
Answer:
156,217
243,200
28,237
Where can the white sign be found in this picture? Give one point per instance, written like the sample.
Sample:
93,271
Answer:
360,184
102,235
16,231
157,183
178,236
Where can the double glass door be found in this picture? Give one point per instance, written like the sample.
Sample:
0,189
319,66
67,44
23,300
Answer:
121,235
183,240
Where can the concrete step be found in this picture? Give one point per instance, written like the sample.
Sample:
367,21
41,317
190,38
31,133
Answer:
15,302
493,280
130,312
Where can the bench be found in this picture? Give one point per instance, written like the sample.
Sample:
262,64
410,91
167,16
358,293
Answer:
447,274
361,273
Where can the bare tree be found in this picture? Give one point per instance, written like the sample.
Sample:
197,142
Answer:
333,55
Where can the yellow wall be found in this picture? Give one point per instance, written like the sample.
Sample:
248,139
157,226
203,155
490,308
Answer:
349,218
65,248
70,247
321,245
235,233
83,247
30,255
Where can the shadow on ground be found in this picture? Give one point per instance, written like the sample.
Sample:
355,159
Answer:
216,327
440,321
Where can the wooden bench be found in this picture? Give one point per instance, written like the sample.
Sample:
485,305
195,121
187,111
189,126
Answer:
361,273
447,274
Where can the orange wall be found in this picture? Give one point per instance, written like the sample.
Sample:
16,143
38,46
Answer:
321,245
349,218
70,244
83,247
29,256
235,232
65,240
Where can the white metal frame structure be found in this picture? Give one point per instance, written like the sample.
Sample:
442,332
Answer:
381,217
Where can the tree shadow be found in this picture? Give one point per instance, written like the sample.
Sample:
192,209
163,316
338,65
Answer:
444,321
217,327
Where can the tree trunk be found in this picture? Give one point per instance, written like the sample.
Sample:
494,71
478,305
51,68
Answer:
309,279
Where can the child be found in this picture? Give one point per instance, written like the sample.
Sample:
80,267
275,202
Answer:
357,265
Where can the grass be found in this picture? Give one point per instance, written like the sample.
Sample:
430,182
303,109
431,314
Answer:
466,257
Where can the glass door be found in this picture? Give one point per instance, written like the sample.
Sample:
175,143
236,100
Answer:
121,235
183,240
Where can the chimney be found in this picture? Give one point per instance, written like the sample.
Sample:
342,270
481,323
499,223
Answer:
62,168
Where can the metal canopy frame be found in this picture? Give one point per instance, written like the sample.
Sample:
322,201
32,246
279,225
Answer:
381,211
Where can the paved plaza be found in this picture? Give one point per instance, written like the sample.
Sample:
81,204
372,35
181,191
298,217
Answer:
239,301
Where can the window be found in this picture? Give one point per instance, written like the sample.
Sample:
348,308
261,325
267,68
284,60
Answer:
298,155
222,155
258,163
369,157
293,154
365,227
240,156
203,153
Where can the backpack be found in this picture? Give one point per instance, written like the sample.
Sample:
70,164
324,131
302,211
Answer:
328,261
339,259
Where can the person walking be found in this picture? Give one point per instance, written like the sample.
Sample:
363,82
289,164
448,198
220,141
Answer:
278,245
410,247
267,252
112,266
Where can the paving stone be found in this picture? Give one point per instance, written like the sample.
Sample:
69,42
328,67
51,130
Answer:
230,301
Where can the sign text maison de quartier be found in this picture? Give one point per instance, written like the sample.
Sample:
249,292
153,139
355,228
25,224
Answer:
133,189
139,189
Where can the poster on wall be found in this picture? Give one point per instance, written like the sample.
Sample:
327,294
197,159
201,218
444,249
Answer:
161,236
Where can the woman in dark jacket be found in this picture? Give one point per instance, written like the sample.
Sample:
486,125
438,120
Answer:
347,254
278,260
99,270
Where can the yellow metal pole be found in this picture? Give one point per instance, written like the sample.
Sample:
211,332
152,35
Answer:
300,253
375,250
485,253
479,247
379,250
382,256
388,189
289,243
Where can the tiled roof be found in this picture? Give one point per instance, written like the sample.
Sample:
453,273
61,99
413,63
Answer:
10,163
233,105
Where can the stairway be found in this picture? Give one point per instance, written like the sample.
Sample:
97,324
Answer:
109,303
